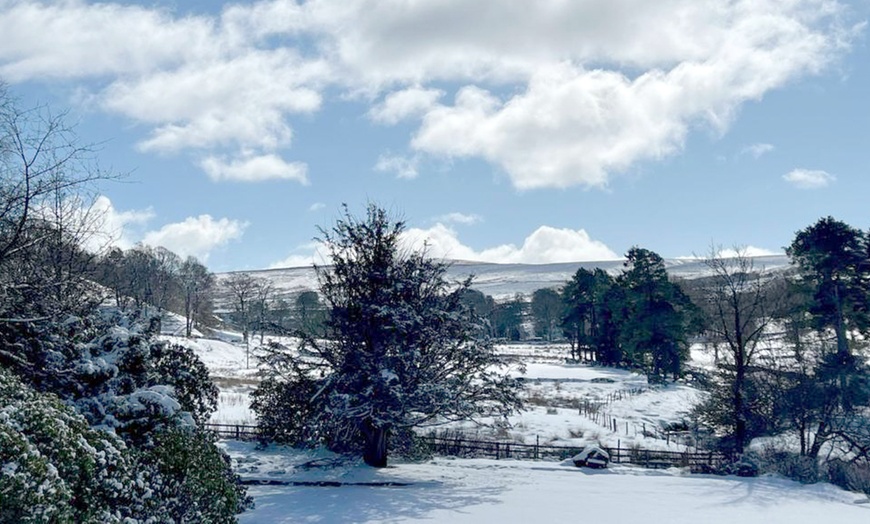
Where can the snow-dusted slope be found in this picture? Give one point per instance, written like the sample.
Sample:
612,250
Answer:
506,280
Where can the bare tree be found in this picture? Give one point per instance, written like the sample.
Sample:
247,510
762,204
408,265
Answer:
197,285
46,216
264,293
738,303
242,289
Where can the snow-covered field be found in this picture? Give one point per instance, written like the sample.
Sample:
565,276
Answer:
508,491
627,411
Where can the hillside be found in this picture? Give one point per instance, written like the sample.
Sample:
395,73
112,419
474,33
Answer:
506,280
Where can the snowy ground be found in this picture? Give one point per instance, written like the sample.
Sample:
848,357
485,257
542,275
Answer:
507,491
629,411
482,490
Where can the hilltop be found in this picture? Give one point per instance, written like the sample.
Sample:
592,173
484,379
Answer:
503,281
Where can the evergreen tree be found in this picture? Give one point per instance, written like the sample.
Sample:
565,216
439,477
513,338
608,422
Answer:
654,316
402,350
587,315
832,258
546,310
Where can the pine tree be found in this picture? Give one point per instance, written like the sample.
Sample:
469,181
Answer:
654,316
832,258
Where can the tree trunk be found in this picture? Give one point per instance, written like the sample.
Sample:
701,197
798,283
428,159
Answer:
375,454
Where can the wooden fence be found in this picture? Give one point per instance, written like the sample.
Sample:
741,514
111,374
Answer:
234,431
457,445
696,461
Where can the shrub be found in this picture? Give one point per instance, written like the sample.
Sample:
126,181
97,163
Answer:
55,468
196,482
848,475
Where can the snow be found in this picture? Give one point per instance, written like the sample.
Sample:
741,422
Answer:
507,491
223,359
504,281
485,490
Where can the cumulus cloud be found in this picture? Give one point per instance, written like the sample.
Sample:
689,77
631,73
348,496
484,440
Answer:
304,256
255,169
460,218
545,245
808,178
401,166
568,93
573,126
108,225
196,236
757,150
400,105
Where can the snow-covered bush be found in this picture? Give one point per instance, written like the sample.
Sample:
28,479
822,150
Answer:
126,399
190,380
196,482
113,368
55,468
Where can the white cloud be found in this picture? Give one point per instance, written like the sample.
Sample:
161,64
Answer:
112,227
573,126
196,236
568,93
809,179
402,167
254,169
77,39
757,150
400,105
304,256
317,206
460,218
746,251
98,223
545,245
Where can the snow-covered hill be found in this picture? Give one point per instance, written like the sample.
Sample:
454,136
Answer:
506,280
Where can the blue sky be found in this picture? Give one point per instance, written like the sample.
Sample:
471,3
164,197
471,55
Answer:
569,132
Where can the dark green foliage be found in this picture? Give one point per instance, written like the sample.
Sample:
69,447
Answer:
197,484
55,468
546,308
402,348
654,316
832,258
587,317
640,319
507,319
179,367
311,314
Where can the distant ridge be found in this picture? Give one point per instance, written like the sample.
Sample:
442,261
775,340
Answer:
506,280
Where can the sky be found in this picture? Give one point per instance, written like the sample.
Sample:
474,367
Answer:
512,132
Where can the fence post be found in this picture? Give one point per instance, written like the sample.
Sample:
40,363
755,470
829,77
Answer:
537,444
